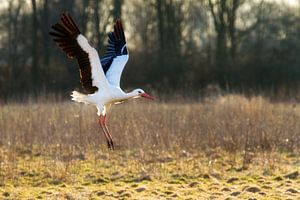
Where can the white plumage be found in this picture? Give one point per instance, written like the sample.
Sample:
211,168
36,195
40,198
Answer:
100,77
114,73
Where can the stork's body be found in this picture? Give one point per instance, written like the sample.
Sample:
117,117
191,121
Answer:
99,77
104,99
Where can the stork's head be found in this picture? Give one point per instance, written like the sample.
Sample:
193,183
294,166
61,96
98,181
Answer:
140,93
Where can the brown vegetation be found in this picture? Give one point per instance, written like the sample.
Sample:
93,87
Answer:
54,148
232,123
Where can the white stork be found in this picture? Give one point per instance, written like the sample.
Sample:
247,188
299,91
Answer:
99,77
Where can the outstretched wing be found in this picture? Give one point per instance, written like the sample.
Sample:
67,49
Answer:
68,37
116,55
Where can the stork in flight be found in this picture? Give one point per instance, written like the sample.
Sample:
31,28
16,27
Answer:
99,77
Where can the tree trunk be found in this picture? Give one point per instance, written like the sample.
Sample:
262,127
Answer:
84,16
231,14
97,35
160,21
34,69
45,33
218,11
117,10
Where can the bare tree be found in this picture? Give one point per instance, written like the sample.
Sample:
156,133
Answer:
224,17
45,29
12,24
97,35
84,15
232,8
218,11
34,69
117,9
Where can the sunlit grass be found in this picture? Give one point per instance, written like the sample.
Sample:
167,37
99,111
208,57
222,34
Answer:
163,150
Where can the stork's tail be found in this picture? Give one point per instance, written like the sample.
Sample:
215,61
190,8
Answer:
79,97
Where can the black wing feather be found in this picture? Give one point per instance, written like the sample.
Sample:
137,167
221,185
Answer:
65,34
116,46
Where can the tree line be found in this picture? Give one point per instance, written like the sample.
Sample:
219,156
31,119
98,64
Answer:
174,45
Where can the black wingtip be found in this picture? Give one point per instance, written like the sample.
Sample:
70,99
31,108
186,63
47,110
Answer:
118,30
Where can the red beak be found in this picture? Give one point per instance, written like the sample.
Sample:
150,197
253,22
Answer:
147,96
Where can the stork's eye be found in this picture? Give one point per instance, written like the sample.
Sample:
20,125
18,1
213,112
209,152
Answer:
139,92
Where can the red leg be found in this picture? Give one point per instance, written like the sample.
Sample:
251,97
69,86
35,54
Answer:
101,123
108,133
105,121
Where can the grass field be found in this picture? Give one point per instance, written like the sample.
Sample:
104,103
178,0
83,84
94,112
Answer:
228,147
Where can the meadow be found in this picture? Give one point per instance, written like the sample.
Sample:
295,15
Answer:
225,147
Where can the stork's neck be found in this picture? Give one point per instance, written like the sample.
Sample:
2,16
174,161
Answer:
137,93
132,94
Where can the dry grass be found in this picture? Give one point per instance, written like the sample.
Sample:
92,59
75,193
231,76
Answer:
229,123
52,148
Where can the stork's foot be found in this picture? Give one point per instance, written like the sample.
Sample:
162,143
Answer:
110,145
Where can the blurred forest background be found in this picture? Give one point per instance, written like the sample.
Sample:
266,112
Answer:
187,46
